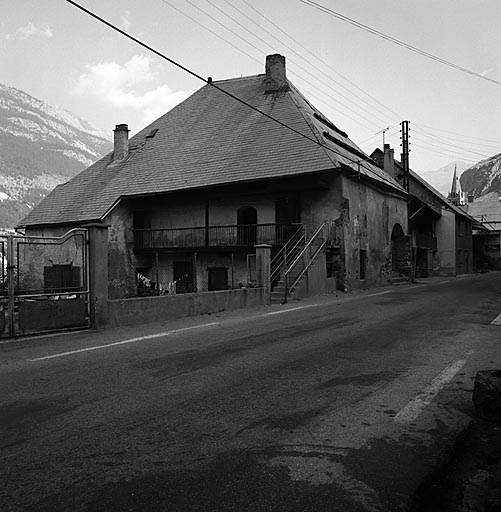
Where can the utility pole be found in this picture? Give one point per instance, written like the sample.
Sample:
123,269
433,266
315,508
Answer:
405,153
405,168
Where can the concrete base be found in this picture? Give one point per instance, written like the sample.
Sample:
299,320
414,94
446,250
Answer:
141,310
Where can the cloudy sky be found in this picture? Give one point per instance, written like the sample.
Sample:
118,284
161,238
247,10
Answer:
361,81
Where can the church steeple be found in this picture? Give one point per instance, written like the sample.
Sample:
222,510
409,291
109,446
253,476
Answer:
456,195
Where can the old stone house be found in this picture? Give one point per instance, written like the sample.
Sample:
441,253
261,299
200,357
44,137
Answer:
242,162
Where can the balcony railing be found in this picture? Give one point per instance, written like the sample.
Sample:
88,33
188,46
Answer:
242,235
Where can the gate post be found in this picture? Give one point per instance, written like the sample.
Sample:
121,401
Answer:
263,270
98,274
11,265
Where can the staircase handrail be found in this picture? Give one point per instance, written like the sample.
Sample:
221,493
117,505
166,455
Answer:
290,247
320,230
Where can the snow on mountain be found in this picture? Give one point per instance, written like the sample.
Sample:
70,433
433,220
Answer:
40,147
484,177
441,178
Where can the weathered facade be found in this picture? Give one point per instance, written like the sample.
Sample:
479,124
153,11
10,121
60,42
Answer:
441,233
188,199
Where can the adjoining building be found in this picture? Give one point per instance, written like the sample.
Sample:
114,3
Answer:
441,232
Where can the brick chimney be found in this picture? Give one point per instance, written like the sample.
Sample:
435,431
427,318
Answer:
276,81
120,142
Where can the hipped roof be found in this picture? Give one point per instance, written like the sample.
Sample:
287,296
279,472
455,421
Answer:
211,139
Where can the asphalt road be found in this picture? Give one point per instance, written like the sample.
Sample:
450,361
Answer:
333,403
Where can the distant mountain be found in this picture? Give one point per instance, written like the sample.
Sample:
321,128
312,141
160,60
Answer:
483,178
441,179
40,147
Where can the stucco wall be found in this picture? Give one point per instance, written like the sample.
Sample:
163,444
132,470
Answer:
445,258
172,212
121,260
320,205
141,310
224,211
464,246
189,211
368,220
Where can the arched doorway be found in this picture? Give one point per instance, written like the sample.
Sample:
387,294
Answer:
247,225
398,248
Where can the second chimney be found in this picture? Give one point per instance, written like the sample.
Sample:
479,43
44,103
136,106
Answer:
276,81
120,142
389,161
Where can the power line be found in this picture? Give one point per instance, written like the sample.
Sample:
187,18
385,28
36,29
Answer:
453,146
456,134
321,61
299,77
393,40
444,142
267,44
220,89
282,43
209,30
448,154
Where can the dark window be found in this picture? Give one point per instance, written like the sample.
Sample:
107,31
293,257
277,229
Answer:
333,262
363,264
183,276
141,220
247,229
218,278
61,278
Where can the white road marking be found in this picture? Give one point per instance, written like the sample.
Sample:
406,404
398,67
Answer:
446,281
415,407
123,342
380,293
497,320
291,309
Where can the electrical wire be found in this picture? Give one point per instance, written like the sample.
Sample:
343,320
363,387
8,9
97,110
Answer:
220,89
393,40
468,139
282,43
453,146
209,30
326,64
261,51
443,153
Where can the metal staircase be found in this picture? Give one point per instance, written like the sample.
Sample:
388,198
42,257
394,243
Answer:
291,264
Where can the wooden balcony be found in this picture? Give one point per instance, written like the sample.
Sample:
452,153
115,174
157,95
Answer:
232,236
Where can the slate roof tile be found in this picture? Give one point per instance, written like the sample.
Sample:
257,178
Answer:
209,139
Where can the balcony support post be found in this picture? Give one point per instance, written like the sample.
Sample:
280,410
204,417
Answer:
263,270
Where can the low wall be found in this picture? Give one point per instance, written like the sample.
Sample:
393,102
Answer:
142,310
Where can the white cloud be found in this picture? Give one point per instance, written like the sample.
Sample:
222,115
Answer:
126,22
31,30
115,85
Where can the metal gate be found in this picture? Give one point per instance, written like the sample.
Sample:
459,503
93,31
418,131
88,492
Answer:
44,283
